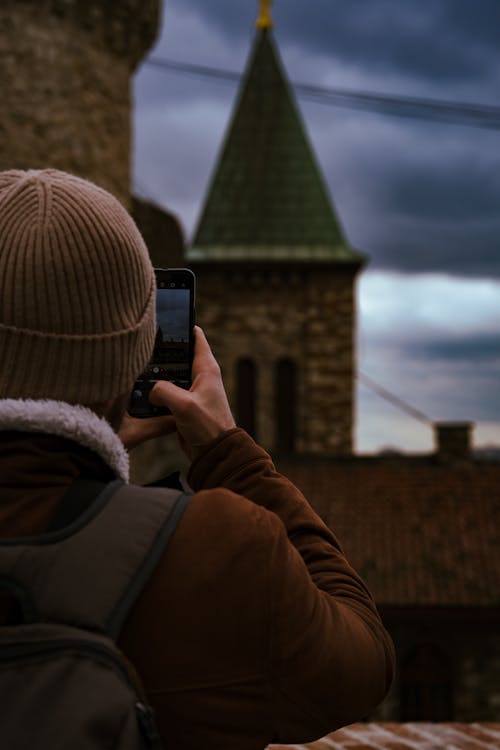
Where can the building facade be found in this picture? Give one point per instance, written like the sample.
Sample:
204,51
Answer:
276,275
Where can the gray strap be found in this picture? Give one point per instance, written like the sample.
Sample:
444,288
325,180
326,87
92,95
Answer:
143,573
90,573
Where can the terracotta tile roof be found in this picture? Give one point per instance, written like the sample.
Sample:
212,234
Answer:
420,532
414,736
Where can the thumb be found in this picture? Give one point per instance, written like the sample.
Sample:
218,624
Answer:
165,393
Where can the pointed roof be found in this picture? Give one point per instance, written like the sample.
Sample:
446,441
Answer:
268,199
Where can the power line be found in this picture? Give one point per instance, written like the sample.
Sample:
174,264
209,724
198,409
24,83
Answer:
394,400
204,71
484,116
460,113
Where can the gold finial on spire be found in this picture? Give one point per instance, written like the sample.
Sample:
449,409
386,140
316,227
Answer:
265,20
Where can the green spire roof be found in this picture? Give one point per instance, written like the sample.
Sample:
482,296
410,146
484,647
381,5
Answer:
268,199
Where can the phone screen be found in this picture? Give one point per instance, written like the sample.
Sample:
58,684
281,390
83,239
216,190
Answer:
174,342
172,351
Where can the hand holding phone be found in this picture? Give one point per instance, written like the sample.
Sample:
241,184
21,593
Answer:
174,344
199,415
203,413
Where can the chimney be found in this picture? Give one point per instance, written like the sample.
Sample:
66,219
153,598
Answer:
453,440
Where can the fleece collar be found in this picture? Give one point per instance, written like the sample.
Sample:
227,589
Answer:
68,421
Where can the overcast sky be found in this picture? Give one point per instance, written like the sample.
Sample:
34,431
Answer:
172,313
420,197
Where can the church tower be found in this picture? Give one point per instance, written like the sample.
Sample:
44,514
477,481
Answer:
276,274
65,68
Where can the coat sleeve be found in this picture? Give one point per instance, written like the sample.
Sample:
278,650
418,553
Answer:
331,660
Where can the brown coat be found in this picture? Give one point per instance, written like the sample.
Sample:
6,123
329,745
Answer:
253,628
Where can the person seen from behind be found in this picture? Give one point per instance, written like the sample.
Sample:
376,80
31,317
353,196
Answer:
253,628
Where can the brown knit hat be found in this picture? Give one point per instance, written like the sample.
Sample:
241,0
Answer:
77,290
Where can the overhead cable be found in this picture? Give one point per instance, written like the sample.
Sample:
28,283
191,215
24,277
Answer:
394,400
459,113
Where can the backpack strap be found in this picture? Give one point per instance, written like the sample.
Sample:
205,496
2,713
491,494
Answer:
89,573
177,503
75,501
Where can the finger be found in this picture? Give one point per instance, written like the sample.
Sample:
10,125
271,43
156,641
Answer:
203,356
165,393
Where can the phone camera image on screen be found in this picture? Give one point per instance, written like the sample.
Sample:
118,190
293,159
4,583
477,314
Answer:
174,341
172,344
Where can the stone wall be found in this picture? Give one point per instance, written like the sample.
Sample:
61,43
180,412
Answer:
474,657
65,67
267,313
477,695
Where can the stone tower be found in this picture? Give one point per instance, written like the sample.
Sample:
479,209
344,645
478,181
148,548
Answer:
276,275
65,68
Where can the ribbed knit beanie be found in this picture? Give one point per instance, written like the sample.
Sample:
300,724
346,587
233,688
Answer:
77,290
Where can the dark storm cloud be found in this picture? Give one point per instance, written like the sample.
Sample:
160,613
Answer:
479,349
442,216
452,191
423,38
416,246
413,195
428,39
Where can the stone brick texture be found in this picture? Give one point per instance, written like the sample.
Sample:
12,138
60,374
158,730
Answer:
65,67
306,314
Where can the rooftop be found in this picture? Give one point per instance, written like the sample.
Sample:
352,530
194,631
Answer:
268,199
421,531
414,736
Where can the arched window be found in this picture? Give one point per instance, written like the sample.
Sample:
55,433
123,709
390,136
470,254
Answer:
426,685
286,405
246,396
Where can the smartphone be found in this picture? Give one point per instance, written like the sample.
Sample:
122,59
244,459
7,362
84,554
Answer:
172,356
